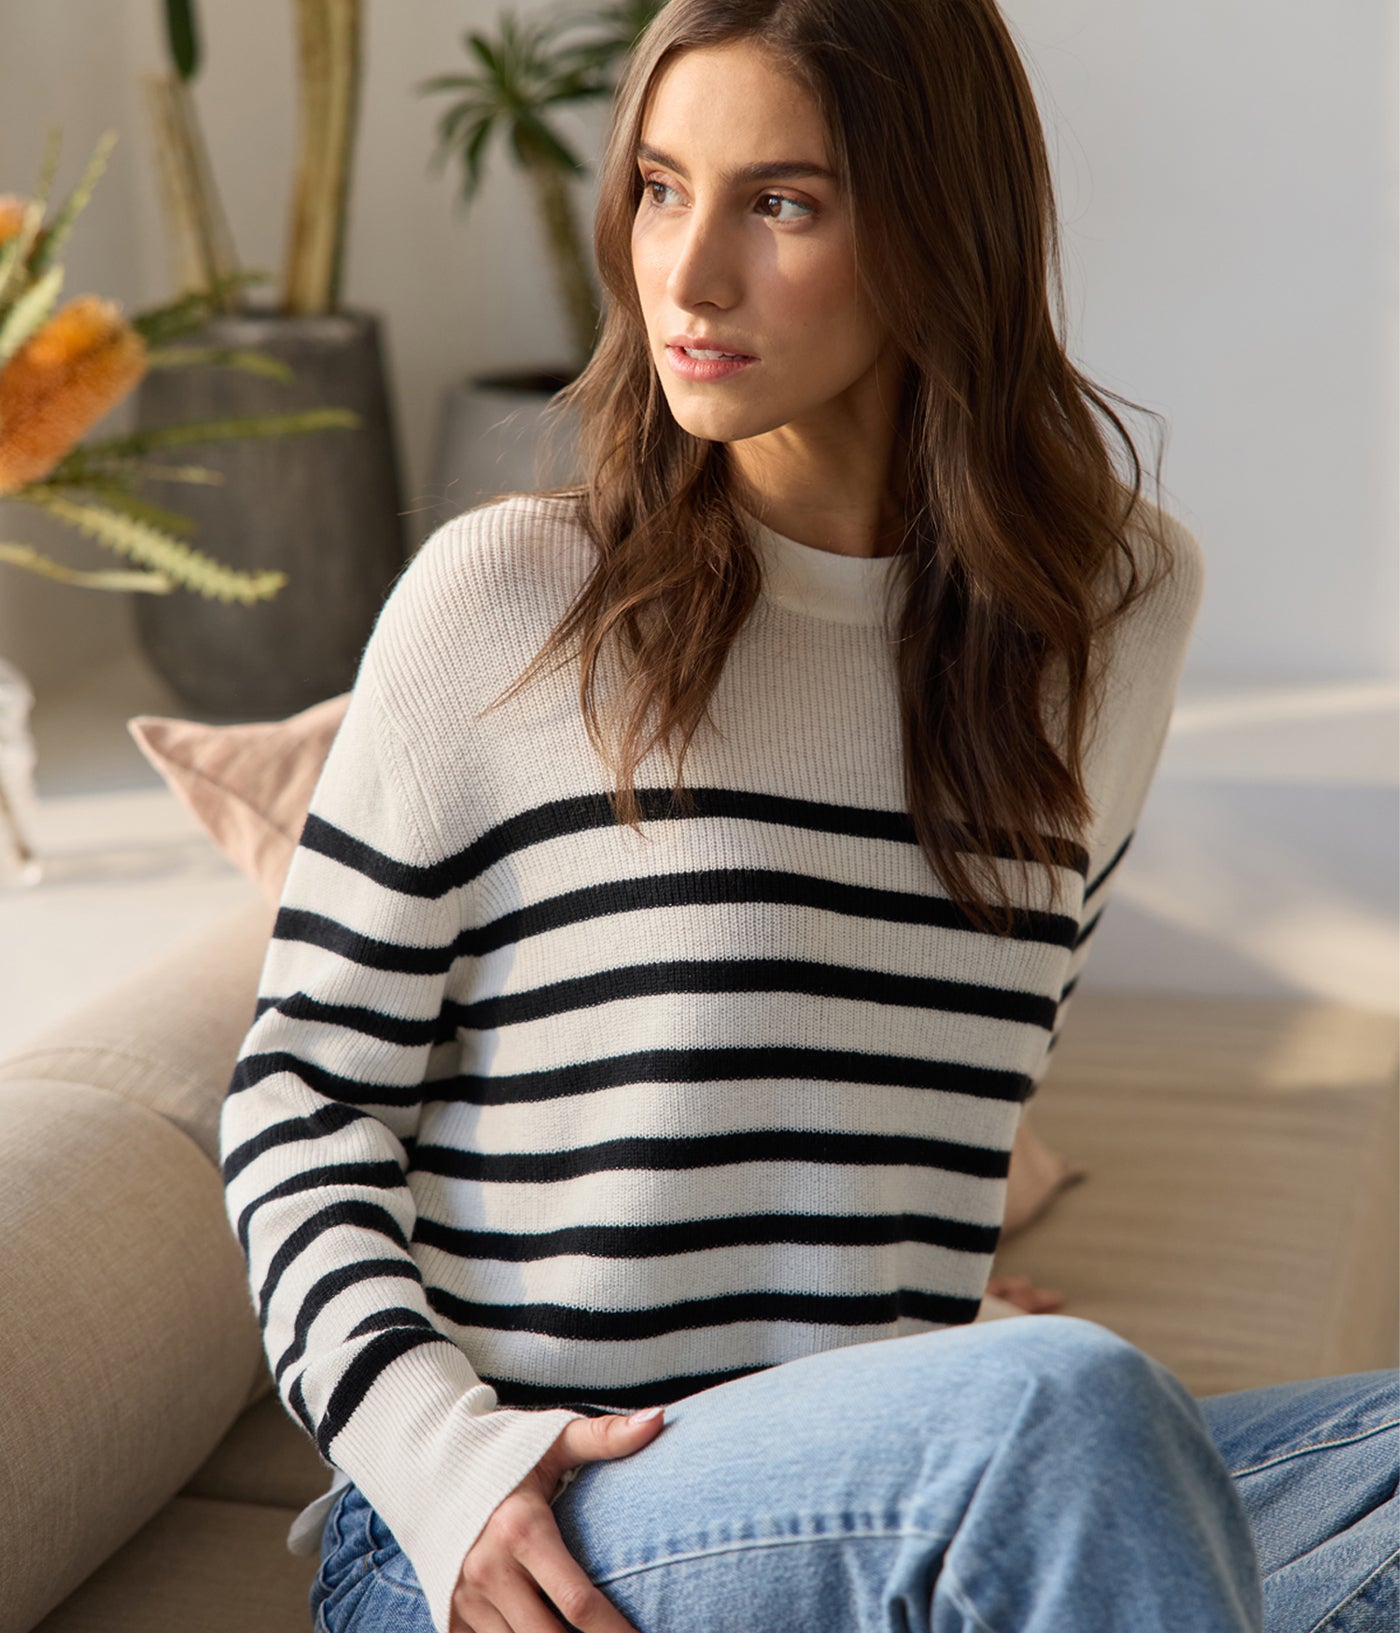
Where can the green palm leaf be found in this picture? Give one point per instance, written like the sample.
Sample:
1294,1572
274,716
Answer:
518,76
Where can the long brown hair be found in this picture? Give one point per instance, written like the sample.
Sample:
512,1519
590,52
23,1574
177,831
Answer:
1012,506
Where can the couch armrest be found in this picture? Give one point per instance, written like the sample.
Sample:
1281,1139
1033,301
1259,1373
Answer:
129,1337
167,1035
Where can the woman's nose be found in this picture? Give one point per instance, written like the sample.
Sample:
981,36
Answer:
705,270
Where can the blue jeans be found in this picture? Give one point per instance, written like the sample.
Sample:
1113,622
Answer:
1030,1475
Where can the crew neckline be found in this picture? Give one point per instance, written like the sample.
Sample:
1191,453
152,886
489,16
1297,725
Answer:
822,583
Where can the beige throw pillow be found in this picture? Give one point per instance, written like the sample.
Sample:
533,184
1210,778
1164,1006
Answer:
249,786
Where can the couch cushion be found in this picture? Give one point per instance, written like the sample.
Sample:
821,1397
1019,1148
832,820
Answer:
266,1458
129,1338
198,1567
1240,1223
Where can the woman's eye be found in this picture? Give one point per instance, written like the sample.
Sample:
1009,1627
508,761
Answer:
781,198
654,187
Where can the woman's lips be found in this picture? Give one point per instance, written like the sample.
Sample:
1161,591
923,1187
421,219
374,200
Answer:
705,368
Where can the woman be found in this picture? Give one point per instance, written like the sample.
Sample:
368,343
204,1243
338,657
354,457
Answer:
579,1085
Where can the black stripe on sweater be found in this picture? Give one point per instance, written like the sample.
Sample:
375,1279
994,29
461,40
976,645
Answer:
252,1070
359,1378
680,977
700,1065
648,1066
713,887
315,1126
367,1215
1113,861
381,1176
334,1282
701,976
694,889
686,1236
404,1031
557,819
1090,925
688,1153
297,1401
317,930
627,1398
688,1315
396,1315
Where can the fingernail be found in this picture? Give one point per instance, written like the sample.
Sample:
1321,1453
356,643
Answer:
646,1416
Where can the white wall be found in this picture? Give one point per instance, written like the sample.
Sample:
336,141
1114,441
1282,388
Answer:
1226,174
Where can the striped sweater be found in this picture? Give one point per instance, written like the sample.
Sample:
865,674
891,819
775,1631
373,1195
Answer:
537,1117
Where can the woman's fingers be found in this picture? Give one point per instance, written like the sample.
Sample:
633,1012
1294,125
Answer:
519,1607
514,1607
560,1576
518,1576
483,1617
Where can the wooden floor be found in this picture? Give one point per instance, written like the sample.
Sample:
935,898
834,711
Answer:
1240,1217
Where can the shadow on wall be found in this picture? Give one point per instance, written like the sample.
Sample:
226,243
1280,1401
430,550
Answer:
1263,890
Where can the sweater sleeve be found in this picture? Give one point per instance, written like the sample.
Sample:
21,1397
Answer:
1122,760
316,1133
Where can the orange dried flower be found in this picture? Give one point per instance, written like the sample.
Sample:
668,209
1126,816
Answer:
12,208
65,377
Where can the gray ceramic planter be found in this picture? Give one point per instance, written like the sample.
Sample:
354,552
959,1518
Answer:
323,506
490,440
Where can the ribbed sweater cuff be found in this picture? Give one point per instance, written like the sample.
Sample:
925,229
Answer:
435,1459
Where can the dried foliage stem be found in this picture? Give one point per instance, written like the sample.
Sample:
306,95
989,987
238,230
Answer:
199,230
24,555
328,34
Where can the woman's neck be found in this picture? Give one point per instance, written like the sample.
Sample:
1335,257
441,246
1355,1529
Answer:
825,486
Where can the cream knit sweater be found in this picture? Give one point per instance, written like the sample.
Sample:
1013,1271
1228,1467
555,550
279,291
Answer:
536,1115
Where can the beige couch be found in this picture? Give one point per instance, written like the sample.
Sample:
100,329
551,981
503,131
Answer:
1239,1223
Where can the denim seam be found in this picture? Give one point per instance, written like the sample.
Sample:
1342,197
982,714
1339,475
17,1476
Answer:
1319,1446
384,1580
338,1522
333,1523
1341,1604
747,1543
965,1604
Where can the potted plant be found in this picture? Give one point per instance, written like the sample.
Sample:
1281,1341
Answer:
488,424
329,513
61,372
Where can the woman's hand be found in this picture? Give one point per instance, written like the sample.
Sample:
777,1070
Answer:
520,1555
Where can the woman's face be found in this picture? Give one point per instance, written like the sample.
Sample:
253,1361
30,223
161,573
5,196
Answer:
743,243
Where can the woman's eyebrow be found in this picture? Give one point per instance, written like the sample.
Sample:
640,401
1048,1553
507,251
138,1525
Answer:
764,170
